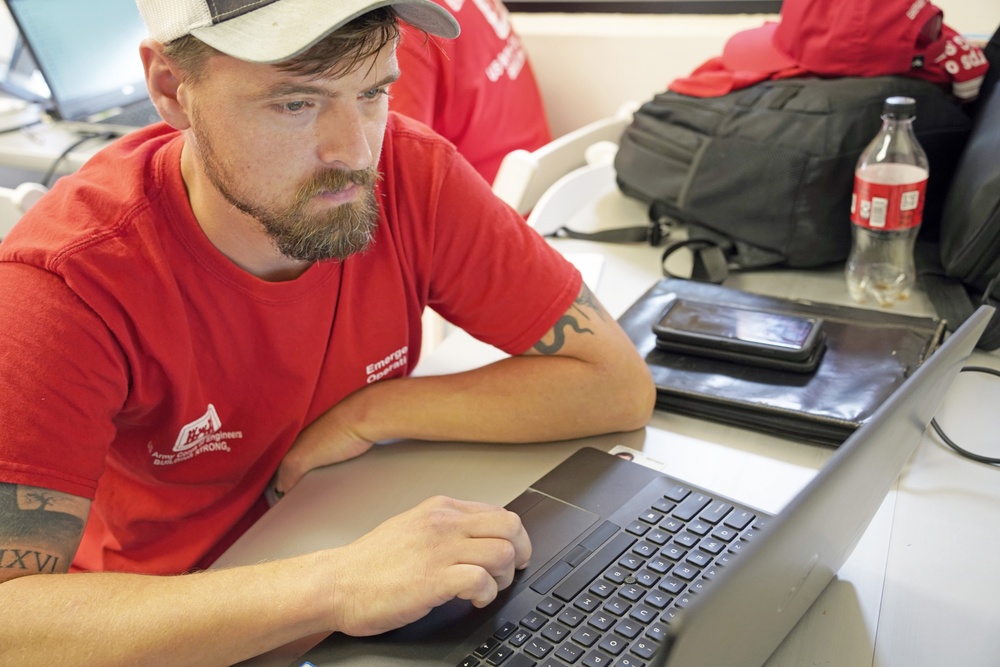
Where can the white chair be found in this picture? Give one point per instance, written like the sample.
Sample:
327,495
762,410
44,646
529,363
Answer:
525,175
575,189
15,202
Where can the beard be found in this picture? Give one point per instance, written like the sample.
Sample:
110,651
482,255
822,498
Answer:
336,233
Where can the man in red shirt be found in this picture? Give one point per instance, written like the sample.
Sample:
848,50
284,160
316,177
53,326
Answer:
477,91
233,297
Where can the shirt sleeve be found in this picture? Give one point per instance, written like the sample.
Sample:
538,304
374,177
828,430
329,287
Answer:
495,276
62,381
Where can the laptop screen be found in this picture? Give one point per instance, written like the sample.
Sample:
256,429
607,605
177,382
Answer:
87,51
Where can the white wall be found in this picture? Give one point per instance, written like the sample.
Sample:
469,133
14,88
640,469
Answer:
587,65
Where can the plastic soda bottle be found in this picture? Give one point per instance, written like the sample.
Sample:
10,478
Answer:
887,207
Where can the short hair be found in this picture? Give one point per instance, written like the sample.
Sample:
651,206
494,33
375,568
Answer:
339,53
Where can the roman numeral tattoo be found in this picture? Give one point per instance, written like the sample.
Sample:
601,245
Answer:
32,561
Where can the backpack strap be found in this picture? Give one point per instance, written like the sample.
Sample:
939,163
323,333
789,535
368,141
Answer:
951,298
655,232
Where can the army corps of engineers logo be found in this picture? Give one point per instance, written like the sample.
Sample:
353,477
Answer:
203,435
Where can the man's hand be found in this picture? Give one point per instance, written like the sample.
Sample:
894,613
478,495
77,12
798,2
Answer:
327,440
440,550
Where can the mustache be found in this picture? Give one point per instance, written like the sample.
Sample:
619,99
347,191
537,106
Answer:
334,180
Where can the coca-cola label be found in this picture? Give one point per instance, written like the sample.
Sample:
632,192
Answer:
883,206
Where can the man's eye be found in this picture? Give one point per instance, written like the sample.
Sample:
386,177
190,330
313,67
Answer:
295,106
375,93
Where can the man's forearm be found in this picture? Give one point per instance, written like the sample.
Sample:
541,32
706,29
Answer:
519,399
212,618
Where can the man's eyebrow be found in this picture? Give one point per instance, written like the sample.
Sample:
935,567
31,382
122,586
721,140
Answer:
293,88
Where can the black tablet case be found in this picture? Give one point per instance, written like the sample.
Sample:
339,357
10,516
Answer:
868,355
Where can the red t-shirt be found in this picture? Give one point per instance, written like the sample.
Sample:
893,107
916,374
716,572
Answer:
144,370
477,91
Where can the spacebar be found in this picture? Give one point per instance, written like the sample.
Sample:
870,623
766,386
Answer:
590,570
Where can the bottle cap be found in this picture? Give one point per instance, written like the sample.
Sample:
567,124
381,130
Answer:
899,108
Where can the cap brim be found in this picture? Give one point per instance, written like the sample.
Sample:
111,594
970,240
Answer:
284,29
754,51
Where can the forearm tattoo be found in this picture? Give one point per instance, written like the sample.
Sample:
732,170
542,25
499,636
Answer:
585,308
39,530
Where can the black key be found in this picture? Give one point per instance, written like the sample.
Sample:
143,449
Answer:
637,528
631,592
657,632
678,493
631,561
664,505
520,660
629,661
739,519
646,578
571,617
500,655
629,628
658,536
572,585
673,552
716,512
651,516
549,606
658,599
505,630
534,620
645,549
659,565
586,637
712,546
693,504
699,527
617,606
686,540
643,614
686,572
671,525
724,533
672,585
519,637
597,659
555,632
569,652
602,589
469,661
699,558
644,649
602,621
538,648
486,647
613,645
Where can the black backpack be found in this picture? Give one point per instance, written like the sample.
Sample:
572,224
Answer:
963,270
765,174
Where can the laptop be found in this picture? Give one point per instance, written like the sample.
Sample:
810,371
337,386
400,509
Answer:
629,566
87,54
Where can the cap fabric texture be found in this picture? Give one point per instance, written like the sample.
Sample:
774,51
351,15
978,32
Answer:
269,31
844,38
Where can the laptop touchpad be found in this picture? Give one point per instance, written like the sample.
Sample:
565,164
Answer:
552,526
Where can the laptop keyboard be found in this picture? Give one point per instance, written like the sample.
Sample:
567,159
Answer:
609,600
135,115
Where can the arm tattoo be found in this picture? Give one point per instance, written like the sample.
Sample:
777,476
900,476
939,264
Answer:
583,307
39,530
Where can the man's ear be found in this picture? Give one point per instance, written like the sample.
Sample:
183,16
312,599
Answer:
164,82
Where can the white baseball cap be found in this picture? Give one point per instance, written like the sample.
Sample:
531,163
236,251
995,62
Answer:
270,31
